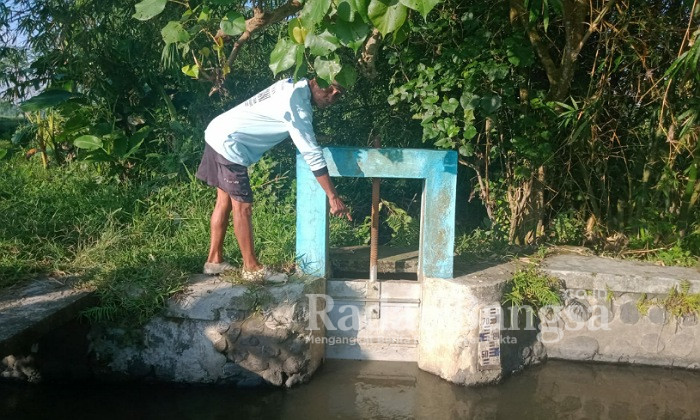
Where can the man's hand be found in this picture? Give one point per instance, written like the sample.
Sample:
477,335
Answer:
338,208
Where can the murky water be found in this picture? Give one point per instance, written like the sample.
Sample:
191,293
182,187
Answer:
383,390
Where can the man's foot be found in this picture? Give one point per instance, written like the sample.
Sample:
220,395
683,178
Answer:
217,268
264,274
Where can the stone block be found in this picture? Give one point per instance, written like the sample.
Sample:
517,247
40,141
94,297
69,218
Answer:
294,379
629,314
233,315
271,351
237,355
221,345
292,365
255,362
250,340
574,348
657,315
222,327
652,343
254,325
233,334
273,376
577,310
689,320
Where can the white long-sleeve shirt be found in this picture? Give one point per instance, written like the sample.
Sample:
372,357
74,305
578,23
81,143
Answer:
243,133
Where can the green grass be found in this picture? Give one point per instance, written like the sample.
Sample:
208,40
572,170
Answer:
135,241
8,125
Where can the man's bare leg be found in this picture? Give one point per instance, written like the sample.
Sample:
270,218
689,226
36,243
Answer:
218,225
243,228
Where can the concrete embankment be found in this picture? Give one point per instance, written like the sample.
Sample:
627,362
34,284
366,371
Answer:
623,311
217,332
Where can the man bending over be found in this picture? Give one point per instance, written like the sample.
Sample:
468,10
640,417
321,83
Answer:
238,138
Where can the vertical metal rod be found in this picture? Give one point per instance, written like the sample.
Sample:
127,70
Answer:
374,230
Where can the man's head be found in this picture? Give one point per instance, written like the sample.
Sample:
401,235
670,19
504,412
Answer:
324,97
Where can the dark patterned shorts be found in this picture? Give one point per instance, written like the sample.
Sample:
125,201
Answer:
217,171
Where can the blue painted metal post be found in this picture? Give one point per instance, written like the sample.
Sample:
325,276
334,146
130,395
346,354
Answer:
438,222
312,223
437,168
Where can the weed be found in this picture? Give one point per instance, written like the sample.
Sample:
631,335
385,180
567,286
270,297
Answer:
643,304
541,253
676,255
404,228
609,295
567,228
530,287
345,233
481,244
680,303
401,229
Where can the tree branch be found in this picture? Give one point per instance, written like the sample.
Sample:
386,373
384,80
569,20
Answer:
260,20
202,72
369,54
594,26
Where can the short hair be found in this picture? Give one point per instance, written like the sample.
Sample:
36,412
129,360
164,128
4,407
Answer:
338,86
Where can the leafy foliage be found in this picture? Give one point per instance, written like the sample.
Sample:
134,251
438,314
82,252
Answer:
321,27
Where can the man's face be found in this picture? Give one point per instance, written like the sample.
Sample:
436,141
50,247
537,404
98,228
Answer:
324,97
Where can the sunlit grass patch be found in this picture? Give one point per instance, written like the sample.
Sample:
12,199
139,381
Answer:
136,242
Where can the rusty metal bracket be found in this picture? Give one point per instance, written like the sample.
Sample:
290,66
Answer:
374,294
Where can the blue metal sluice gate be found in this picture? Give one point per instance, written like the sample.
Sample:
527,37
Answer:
437,169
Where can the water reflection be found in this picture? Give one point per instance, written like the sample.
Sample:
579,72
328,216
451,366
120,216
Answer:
383,390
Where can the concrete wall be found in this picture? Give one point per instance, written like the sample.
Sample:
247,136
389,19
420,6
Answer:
601,320
437,323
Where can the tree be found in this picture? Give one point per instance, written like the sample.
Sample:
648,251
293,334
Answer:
487,85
